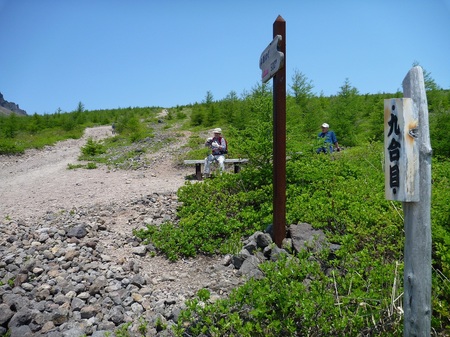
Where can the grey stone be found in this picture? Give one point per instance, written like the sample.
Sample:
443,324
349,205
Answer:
116,315
73,332
140,250
77,232
138,280
238,259
137,308
250,267
60,315
61,299
5,313
89,311
21,331
42,317
304,236
22,317
263,240
77,304
99,284
15,301
251,246
27,286
71,285
114,286
48,326
43,237
277,253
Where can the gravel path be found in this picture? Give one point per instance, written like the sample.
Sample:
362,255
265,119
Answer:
39,181
38,191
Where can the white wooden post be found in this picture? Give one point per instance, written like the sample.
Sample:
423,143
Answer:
417,272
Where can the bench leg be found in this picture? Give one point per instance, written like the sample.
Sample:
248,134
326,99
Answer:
237,168
198,171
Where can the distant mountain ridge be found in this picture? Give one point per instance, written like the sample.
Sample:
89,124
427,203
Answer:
6,108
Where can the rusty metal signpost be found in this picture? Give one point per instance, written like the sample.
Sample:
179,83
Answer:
408,179
273,64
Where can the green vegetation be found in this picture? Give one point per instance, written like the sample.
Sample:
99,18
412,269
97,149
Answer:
122,331
11,282
18,133
342,195
355,291
297,298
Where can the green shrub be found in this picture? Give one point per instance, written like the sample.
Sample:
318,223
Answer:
295,298
91,149
74,166
91,166
440,218
343,194
214,217
10,147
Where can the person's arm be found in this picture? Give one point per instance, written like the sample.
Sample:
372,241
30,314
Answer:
223,145
335,142
337,146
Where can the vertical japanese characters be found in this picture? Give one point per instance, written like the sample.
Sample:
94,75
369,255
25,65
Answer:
401,150
393,148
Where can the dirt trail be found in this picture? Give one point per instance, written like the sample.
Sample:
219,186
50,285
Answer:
39,181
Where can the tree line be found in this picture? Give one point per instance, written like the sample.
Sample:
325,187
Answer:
356,118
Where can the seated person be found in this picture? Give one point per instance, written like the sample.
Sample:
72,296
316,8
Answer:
218,146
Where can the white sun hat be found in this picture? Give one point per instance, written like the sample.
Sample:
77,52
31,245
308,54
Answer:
217,130
325,125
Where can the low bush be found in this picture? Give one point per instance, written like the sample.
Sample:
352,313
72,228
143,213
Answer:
356,293
297,297
91,149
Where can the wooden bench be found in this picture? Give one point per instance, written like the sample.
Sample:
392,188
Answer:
198,165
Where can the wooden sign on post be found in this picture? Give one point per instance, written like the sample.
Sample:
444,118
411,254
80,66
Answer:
271,59
272,63
407,151
401,150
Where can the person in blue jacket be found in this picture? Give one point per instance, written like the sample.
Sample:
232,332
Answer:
327,139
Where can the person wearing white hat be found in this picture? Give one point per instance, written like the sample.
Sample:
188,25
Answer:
326,139
218,146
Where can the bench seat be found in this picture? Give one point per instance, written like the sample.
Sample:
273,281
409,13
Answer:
198,165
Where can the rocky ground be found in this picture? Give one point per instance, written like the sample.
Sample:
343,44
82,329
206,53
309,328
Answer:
69,264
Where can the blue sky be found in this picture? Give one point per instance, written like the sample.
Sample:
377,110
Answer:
116,53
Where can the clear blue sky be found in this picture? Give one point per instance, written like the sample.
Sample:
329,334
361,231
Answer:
121,53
